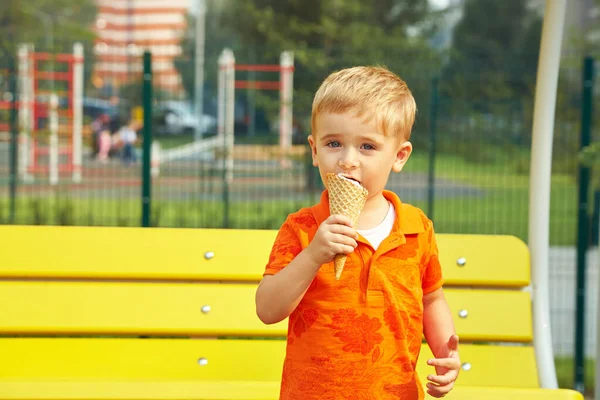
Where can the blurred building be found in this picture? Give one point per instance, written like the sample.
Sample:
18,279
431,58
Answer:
126,28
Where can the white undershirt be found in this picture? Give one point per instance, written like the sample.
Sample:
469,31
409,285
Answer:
377,234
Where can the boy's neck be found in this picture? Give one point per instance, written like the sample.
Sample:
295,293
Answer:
375,210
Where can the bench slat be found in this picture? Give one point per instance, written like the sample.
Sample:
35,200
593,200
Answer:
135,253
239,255
221,391
164,360
491,260
123,308
115,308
491,315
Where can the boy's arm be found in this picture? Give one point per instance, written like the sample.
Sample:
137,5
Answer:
441,337
438,325
278,295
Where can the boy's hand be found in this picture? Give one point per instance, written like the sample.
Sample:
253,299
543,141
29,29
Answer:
334,236
446,369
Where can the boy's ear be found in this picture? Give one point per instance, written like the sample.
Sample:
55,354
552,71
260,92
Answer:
402,156
313,150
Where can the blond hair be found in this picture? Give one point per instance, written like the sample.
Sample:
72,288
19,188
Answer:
373,92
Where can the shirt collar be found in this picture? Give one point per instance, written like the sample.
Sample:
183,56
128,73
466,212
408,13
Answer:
408,221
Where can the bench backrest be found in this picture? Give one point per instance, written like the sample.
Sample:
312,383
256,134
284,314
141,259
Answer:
101,289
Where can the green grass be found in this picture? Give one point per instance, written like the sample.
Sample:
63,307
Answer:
502,211
565,373
503,207
127,212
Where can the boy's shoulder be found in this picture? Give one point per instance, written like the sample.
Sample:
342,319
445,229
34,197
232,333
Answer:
303,218
415,217
413,211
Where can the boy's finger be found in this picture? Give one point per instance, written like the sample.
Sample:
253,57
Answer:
339,219
449,363
345,240
440,379
343,249
453,342
344,230
438,391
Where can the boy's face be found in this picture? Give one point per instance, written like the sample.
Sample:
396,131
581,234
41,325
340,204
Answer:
344,143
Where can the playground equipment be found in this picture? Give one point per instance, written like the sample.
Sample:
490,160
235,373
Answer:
35,103
226,112
5,105
226,97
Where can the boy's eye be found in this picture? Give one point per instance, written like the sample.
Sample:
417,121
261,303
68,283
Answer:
333,143
368,147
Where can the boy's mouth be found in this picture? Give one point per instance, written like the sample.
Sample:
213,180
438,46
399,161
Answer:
350,178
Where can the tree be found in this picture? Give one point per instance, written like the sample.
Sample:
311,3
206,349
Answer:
23,21
324,35
327,35
29,21
494,53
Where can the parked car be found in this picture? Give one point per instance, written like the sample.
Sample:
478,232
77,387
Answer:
119,112
179,117
93,108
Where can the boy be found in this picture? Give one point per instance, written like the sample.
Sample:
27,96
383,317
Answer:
359,337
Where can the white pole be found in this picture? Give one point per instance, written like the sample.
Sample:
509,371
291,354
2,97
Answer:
24,117
31,127
77,111
155,159
31,70
199,64
539,187
229,61
221,96
286,91
53,145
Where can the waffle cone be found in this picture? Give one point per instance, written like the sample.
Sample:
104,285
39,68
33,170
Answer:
345,198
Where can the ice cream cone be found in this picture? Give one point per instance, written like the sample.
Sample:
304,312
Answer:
346,197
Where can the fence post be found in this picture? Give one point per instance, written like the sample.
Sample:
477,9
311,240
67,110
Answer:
199,68
77,108
147,149
53,151
25,112
432,150
13,139
583,233
286,93
226,122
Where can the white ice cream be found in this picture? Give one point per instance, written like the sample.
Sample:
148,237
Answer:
355,183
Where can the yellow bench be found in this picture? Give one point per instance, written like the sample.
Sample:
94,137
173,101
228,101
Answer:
133,313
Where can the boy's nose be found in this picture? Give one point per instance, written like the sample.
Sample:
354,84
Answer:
348,160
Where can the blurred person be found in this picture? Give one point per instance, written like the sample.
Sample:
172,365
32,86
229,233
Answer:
128,138
99,125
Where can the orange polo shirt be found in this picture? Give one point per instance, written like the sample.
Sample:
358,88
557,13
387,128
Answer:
359,337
